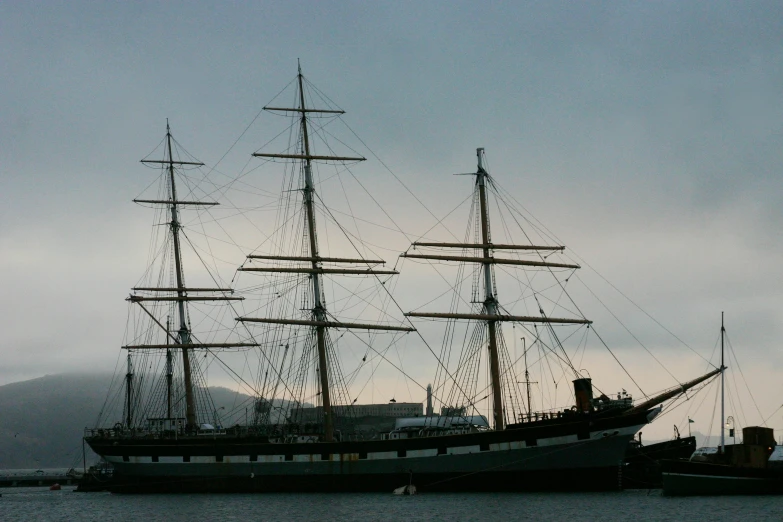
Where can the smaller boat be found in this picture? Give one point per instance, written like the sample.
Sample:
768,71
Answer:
55,487
96,478
750,468
753,467
642,468
410,489
73,474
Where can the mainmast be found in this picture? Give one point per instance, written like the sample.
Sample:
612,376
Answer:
319,320
319,313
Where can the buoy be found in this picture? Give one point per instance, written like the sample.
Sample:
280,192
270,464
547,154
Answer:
410,489
406,490
54,487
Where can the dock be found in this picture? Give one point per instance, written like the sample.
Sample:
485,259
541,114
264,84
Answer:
27,478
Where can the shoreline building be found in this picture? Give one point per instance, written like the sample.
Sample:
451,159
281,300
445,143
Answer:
392,409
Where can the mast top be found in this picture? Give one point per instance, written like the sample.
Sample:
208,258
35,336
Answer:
170,161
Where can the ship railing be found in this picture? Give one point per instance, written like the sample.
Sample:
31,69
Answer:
613,404
547,415
211,433
125,433
280,432
104,433
432,431
439,432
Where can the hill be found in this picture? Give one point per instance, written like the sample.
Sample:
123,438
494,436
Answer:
42,420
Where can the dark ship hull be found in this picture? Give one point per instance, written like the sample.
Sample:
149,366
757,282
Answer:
642,469
557,455
686,478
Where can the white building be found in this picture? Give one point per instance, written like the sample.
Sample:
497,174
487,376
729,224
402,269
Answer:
392,409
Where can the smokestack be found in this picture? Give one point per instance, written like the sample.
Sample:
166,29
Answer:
583,391
429,400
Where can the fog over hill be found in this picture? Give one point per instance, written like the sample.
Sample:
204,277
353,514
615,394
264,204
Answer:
42,420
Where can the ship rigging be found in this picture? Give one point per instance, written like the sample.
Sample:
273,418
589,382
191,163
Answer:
315,287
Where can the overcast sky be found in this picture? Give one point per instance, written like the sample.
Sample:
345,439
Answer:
647,135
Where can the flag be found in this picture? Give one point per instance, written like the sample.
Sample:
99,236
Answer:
691,421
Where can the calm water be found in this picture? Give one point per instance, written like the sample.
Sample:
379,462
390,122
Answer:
40,504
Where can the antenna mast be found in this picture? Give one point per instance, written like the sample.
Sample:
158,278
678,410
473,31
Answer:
169,369
722,395
527,379
129,394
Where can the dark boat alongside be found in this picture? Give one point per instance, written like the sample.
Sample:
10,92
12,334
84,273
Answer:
749,468
753,467
171,439
642,468
95,478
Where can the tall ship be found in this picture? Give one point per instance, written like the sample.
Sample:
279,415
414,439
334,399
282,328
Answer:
302,430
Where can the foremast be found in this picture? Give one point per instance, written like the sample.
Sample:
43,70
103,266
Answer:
320,319
491,313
